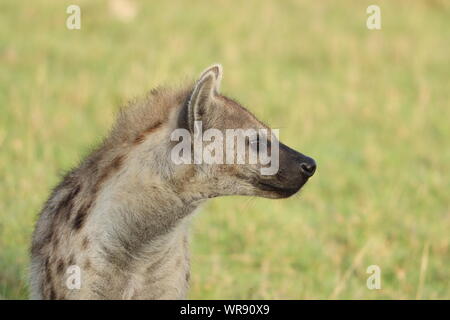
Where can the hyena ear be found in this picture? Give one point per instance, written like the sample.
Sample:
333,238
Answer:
218,71
201,100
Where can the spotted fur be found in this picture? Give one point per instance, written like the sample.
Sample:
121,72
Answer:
122,215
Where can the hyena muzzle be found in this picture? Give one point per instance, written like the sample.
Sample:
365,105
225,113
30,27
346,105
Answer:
116,227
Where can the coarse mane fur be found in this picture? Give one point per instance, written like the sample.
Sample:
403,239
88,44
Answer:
143,114
121,218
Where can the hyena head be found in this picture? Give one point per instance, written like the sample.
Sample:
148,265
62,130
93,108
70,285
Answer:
229,151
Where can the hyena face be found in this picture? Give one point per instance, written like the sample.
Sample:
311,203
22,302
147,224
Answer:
230,152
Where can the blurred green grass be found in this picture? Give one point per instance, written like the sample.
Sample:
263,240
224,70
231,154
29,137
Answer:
372,107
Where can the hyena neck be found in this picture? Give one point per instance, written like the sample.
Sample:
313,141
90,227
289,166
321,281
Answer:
117,217
138,225
133,219
133,208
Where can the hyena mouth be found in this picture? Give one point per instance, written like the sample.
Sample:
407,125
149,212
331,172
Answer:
282,191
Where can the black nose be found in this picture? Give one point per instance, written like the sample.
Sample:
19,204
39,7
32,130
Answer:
308,166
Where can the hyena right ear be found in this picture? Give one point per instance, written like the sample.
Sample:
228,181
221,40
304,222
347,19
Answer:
201,100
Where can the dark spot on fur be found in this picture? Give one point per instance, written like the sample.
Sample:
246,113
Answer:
115,165
183,116
71,188
55,240
201,112
117,162
81,214
87,264
60,267
85,243
48,284
37,247
66,204
52,293
141,137
71,260
74,192
48,277
79,220
46,263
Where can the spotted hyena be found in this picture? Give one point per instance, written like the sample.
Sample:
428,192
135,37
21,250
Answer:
120,220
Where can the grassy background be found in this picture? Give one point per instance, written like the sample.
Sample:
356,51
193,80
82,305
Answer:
372,107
